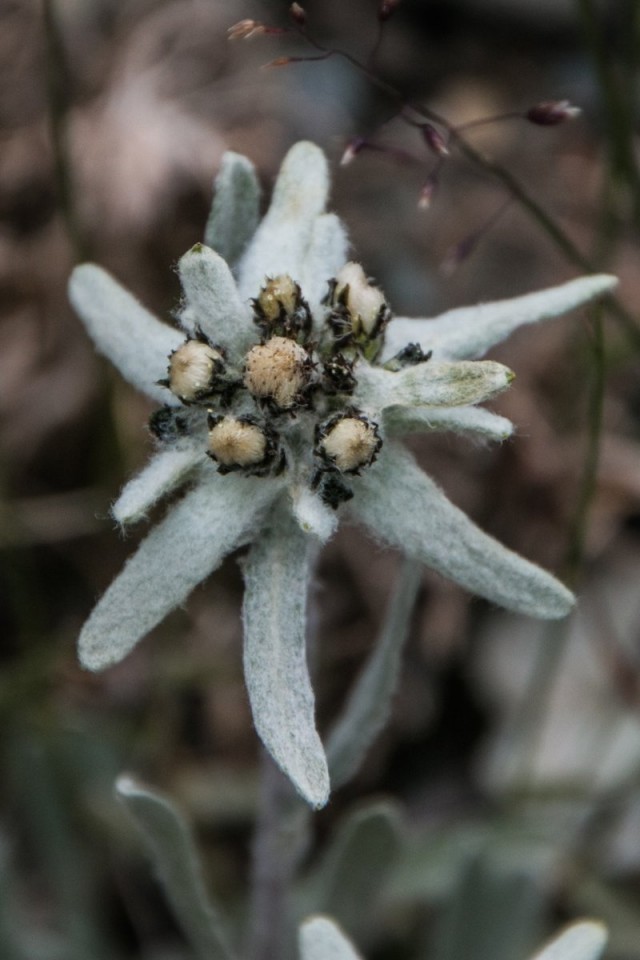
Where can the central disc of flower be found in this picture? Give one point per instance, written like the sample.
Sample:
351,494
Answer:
288,403
278,371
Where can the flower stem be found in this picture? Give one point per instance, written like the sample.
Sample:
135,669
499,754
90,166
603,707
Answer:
279,842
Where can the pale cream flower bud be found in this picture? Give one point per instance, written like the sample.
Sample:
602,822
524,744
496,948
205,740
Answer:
364,301
278,294
193,370
348,443
237,443
277,370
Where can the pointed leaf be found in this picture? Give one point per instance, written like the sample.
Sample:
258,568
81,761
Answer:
192,540
122,330
234,212
471,331
585,940
277,576
313,516
212,302
164,473
171,847
400,504
326,255
282,240
475,421
369,703
321,939
356,862
431,384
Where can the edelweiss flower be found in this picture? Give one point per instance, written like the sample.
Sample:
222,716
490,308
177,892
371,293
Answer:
282,397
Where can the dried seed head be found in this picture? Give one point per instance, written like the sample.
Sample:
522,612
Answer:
364,302
348,442
386,8
551,112
168,424
277,370
298,14
434,139
352,150
193,370
236,442
427,192
246,30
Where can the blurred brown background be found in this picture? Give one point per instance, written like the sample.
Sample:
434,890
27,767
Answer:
113,119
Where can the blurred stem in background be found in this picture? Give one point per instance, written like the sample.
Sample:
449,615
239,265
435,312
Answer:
615,61
617,79
58,87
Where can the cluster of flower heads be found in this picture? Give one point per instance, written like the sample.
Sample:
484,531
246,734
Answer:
281,411
290,397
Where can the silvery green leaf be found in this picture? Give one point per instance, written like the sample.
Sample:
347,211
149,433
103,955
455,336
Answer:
164,473
277,574
122,330
234,212
172,850
212,303
327,253
405,508
495,911
313,516
192,540
475,421
470,331
430,384
281,242
11,937
350,877
321,939
584,940
369,703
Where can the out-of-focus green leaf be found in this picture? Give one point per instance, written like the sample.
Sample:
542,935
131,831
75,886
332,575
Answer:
369,703
169,842
350,877
615,907
40,777
234,212
496,913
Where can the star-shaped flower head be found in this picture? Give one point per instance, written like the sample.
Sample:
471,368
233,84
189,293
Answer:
282,397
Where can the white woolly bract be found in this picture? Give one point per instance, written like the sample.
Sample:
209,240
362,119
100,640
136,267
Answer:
275,665
209,522
313,516
400,504
430,384
235,209
470,331
320,938
585,940
212,302
282,241
326,254
135,342
164,473
475,421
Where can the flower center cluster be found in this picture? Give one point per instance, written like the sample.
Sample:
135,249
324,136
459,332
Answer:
287,404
